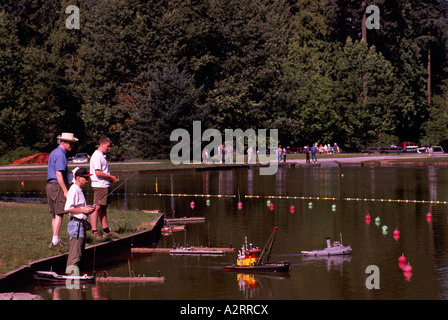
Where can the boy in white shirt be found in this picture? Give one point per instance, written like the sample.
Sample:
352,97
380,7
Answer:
101,179
78,209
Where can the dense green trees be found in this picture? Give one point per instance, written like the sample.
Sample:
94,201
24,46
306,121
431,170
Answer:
136,70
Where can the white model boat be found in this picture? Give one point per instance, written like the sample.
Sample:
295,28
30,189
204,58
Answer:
331,250
49,277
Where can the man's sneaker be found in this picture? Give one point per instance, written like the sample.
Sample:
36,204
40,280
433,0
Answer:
96,236
60,244
110,235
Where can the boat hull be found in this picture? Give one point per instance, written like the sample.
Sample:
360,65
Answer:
282,266
328,252
52,278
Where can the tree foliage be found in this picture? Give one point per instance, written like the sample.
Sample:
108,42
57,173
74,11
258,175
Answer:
136,70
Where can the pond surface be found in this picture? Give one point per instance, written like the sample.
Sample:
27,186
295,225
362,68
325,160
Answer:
423,242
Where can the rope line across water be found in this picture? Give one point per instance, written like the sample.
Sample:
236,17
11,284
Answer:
201,195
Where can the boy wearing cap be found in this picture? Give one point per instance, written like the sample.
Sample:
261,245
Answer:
78,209
57,178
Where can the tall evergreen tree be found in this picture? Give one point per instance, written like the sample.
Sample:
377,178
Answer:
167,102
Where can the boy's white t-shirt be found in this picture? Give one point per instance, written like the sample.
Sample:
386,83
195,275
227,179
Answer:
75,199
98,162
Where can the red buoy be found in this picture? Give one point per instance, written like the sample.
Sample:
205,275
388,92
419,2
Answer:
402,259
396,232
240,205
292,209
192,204
271,206
368,218
428,217
407,268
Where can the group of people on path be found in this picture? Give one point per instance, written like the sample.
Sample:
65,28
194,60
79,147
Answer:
71,201
321,149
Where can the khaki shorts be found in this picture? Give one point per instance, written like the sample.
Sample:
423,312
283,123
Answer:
100,196
56,198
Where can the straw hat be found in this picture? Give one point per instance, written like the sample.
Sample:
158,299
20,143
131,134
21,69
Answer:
65,136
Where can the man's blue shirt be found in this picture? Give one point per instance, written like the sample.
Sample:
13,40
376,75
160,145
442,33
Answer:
57,162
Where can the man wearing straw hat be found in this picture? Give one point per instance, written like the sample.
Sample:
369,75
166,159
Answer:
57,180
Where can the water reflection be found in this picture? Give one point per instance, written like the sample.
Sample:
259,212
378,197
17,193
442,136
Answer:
331,262
250,285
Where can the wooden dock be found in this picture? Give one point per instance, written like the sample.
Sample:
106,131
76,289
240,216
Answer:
185,220
130,279
168,250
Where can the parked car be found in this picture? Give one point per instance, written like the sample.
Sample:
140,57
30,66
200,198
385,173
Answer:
437,149
81,158
406,144
411,149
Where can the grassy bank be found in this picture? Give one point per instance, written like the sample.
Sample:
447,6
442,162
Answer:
25,231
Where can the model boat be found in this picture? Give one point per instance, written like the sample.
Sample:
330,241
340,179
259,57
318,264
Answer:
331,250
169,229
50,277
254,260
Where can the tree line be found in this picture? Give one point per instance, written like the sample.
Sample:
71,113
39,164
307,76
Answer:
137,70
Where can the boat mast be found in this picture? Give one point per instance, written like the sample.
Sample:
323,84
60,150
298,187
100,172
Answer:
266,253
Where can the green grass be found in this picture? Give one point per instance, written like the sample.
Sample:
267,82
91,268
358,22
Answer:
25,231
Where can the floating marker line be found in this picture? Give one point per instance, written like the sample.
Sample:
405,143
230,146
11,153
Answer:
201,195
194,195
348,199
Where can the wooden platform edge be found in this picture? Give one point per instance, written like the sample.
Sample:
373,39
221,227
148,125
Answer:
168,250
130,279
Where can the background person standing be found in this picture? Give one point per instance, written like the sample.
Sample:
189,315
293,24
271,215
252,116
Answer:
101,179
57,180
313,152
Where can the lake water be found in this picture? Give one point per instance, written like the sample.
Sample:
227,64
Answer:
423,242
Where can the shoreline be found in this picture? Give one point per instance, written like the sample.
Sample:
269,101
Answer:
294,160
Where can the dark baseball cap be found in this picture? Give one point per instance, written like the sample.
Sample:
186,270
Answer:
82,172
